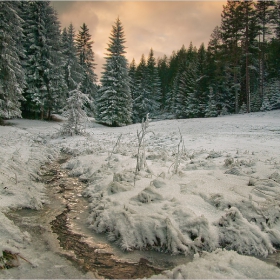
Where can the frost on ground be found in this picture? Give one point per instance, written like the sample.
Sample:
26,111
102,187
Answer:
206,184
24,148
232,266
223,193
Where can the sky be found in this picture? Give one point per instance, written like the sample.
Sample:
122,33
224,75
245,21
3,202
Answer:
163,26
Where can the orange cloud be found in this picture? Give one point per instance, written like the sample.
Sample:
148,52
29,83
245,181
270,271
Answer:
164,26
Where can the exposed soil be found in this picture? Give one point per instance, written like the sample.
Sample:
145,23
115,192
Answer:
60,223
88,255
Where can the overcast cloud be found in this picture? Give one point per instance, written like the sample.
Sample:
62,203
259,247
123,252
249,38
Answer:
162,25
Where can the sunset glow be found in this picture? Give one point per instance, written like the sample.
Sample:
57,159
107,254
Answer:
162,25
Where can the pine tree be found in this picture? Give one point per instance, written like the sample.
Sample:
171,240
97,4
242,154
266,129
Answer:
75,113
231,32
224,111
275,94
273,48
276,19
12,77
243,109
249,45
192,100
44,65
86,60
114,104
141,101
72,69
202,82
180,91
264,14
176,95
133,88
272,94
165,80
266,106
171,95
219,74
153,85
211,109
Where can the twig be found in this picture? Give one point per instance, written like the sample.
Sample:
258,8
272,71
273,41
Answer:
116,145
141,151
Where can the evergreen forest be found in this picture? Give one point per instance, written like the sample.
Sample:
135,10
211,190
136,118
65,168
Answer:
42,66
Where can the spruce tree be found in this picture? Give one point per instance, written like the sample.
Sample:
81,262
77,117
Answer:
141,101
272,94
172,95
133,87
211,108
44,64
114,103
179,91
276,19
275,94
231,33
264,14
177,67
72,69
75,113
153,85
165,80
12,77
202,82
86,60
249,49
266,106
192,100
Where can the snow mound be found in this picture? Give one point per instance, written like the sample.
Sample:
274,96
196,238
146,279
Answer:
149,195
132,230
236,233
222,264
11,237
137,223
275,176
234,171
116,187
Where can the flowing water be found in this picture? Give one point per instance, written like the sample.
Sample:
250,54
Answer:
63,223
64,220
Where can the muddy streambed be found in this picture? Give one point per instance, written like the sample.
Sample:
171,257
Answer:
62,223
61,226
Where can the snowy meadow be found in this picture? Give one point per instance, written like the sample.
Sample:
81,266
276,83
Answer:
208,188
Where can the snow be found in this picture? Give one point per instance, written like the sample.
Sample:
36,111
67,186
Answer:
232,266
226,191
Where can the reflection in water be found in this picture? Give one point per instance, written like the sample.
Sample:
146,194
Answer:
67,214
93,251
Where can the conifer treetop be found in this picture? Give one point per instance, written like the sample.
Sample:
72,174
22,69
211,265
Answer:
116,45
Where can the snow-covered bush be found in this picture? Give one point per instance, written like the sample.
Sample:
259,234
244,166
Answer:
243,109
222,264
134,230
224,111
236,233
75,113
211,108
141,150
266,106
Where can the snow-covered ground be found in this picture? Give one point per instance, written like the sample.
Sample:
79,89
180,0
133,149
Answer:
219,187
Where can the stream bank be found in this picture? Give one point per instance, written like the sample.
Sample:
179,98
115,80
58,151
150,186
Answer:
61,227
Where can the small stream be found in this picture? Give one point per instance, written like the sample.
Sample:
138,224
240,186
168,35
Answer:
66,216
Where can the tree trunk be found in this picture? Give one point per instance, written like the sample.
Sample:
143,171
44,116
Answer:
248,94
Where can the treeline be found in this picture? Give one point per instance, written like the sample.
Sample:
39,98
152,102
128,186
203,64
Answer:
39,64
239,70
